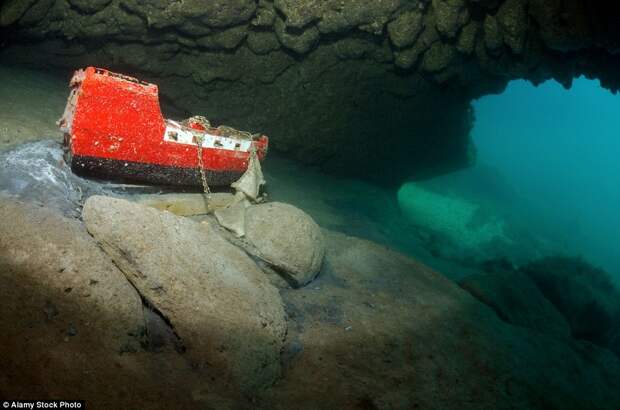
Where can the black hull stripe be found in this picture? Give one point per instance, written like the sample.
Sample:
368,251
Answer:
137,172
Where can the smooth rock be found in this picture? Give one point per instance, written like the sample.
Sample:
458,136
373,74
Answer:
287,238
70,319
222,307
404,30
185,204
49,260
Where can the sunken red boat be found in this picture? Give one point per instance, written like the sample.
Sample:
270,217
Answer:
114,129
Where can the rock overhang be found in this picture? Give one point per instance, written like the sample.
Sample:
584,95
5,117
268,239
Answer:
373,89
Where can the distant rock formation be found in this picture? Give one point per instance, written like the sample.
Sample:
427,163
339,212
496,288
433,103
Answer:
554,295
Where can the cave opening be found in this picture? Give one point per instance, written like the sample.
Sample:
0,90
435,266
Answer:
547,161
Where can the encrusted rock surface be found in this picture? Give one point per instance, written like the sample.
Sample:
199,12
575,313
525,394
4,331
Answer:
393,77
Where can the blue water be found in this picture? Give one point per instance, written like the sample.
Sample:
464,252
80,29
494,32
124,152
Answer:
559,150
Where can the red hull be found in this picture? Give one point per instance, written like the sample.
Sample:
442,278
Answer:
114,122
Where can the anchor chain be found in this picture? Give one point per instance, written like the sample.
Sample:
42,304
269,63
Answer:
203,176
199,140
224,131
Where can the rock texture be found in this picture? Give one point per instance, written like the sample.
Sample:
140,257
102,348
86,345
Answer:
375,330
516,300
585,295
287,238
71,321
386,82
62,273
222,307
378,330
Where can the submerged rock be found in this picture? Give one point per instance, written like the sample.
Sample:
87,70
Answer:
70,319
585,295
221,306
375,330
49,264
389,333
462,225
185,204
516,300
287,238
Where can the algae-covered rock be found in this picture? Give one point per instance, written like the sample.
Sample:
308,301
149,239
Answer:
287,238
438,57
493,38
407,58
467,39
265,14
195,50
12,10
262,42
404,30
226,40
89,6
222,307
513,20
451,16
300,41
299,13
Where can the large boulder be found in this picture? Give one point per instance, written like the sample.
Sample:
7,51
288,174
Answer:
223,309
287,238
69,318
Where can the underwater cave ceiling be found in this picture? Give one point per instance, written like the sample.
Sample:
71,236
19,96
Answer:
374,88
